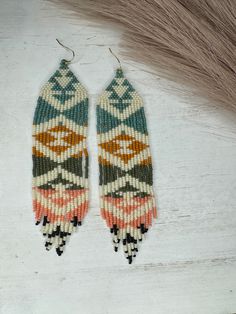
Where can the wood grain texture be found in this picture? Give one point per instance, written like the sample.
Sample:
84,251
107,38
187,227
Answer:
188,262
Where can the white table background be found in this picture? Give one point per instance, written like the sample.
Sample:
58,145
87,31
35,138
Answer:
188,262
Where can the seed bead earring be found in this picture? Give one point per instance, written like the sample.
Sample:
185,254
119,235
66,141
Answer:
126,185
60,157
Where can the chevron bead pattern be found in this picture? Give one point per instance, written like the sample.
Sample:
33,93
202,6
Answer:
126,192
60,158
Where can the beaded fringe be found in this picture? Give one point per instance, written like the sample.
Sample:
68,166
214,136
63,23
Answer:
60,158
126,193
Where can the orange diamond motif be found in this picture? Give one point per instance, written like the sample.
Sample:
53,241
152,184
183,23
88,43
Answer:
59,138
124,146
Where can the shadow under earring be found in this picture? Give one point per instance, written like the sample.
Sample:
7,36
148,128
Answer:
126,185
60,157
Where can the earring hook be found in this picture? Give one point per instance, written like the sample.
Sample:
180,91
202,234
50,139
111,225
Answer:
115,56
68,49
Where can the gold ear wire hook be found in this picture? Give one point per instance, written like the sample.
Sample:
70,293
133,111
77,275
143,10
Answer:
67,48
115,56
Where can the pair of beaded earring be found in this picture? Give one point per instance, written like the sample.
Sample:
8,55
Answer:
60,160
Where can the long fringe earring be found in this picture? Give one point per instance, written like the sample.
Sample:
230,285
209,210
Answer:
60,157
126,193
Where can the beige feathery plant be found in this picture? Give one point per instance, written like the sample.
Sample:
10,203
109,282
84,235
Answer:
192,42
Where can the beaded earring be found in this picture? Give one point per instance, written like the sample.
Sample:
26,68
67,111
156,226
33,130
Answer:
60,157
125,179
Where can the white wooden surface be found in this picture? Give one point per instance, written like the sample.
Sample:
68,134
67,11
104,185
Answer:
188,262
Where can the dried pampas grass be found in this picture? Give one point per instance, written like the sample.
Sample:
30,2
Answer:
192,42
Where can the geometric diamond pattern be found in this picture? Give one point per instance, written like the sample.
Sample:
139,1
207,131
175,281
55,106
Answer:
124,146
126,192
60,158
59,138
